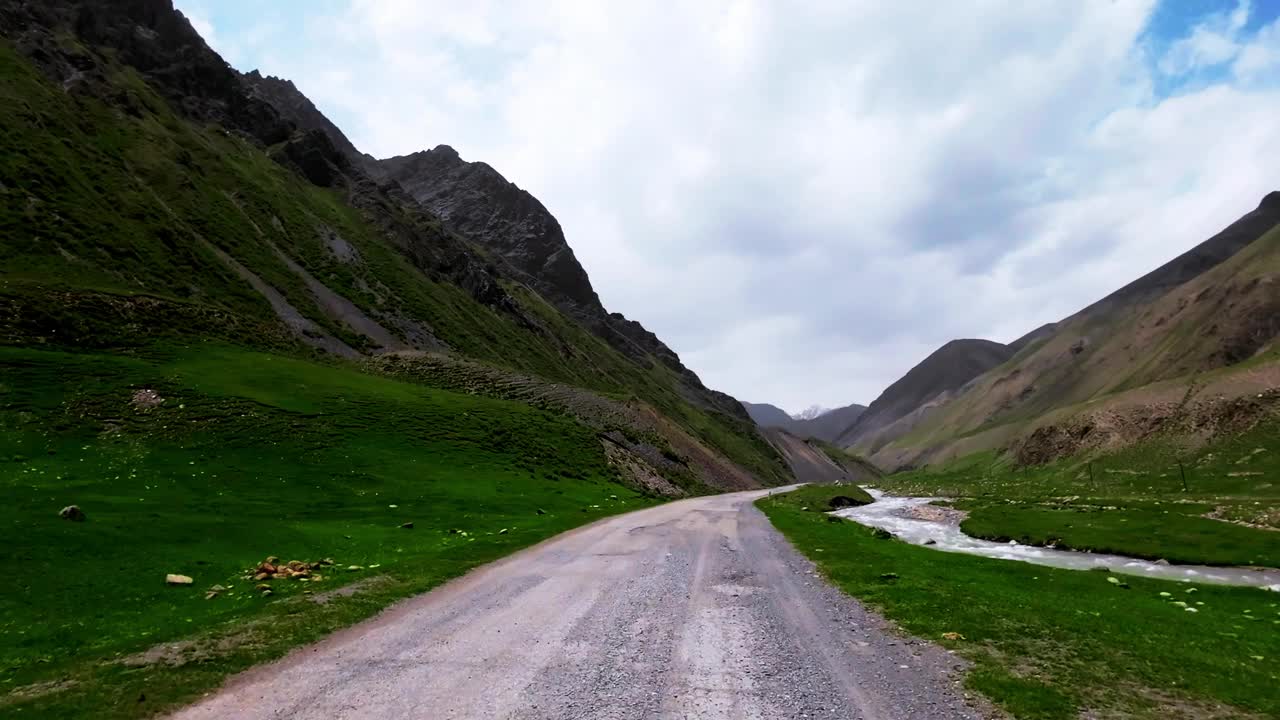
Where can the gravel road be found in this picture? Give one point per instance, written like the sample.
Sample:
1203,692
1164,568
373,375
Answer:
693,609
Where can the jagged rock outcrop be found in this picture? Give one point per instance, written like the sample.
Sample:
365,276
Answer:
158,42
475,201
141,155
526,242
285,97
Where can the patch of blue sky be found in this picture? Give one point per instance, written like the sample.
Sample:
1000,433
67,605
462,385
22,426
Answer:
1174,21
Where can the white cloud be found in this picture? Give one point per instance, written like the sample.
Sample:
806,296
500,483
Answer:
805,199
1259,60
1215,40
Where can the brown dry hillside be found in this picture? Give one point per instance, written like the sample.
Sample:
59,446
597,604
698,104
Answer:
1213,307
947,369
818,462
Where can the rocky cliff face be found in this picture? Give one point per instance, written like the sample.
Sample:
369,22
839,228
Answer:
471,199
475,201
287,100
158,42
154,39
147,164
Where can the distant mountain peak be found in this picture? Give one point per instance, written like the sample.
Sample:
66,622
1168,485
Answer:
810,413
446,150
815,422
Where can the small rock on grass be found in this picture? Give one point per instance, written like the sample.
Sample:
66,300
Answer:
407,526
72,513
173,579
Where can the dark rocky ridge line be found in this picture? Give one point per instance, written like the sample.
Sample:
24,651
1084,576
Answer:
947,369
525,239
475,201
159,42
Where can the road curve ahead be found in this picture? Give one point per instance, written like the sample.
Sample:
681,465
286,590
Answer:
693,609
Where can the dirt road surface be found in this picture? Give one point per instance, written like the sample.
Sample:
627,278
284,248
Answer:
693,609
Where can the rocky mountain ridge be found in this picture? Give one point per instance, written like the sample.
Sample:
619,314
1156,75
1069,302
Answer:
476,202
170,206
825,425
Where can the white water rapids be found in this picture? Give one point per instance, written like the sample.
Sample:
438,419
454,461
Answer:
893,514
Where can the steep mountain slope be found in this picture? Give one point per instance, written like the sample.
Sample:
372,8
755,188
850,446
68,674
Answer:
766,415
1174,331
150,191
829,425
1039,333
826,425
292,105
945,370
818,462
512,226
808,463
478,203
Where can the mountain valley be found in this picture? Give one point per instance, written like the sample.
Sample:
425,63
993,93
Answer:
291,430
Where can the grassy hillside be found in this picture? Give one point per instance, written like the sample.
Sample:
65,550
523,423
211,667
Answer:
249,455
859,469
944,371
1176,335
123,222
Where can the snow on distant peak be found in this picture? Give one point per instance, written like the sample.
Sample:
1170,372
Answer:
810,413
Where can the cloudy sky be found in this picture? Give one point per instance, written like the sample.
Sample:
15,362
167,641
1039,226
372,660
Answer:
806,198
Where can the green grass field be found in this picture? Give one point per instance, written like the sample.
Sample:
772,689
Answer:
249,455
1130,502
1049,644
1154,530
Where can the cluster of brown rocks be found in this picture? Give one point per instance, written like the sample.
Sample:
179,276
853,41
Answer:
273,569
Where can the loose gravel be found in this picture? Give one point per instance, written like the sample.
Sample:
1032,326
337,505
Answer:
693,609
